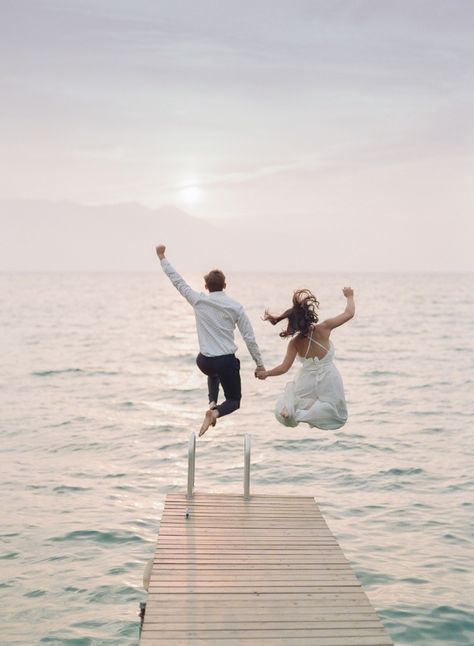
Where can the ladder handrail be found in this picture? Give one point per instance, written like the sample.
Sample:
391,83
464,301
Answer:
247,444
191,464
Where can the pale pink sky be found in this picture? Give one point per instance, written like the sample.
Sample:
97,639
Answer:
353,117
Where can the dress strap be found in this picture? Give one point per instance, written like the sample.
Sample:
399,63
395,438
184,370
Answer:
311,340
320,345
309,345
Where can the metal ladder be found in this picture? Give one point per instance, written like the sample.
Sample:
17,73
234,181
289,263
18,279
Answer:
192,468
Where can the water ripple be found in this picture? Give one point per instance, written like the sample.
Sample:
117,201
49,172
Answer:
100,400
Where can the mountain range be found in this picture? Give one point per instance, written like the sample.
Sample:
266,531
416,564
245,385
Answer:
40,235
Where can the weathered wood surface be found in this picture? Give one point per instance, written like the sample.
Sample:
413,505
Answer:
261,571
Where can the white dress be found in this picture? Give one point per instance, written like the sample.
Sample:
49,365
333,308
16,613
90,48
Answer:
316,396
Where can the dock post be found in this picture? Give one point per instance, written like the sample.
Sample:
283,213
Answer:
247,466
191,469
141,614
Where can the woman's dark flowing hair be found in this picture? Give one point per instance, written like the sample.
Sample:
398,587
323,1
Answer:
301,317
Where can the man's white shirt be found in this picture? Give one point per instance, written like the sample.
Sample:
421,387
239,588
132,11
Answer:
217,315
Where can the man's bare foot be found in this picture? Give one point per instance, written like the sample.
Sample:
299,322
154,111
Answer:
212,405
209,420
284,413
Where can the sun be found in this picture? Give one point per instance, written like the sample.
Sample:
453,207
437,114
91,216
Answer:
191,194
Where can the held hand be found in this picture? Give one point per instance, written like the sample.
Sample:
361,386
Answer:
160,251
261,373
348,292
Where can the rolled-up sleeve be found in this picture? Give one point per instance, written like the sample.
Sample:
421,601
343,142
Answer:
246,330
178,281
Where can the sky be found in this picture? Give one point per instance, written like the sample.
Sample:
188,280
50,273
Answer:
349,123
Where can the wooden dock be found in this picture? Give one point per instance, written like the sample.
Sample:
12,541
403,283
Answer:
253,570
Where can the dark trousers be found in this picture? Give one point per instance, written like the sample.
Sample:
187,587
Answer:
225,371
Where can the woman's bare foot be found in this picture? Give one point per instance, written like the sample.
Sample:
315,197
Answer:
209,420
284,413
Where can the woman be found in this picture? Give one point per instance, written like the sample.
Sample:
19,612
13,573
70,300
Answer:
317,394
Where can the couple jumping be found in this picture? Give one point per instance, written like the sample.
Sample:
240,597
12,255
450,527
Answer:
317,394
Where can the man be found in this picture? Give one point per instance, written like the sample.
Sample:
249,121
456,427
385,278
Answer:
217,315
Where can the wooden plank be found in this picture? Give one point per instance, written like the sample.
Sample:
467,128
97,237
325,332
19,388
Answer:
273,631
181,574
222,621
265,524
260,571
320,606
238,558
261,533
193,551
251,589
153,639
264,615
316,634
222,520
253,575
238,513
192,565
242,558
217,498
234,600
353,627
318,549
254,585
258,542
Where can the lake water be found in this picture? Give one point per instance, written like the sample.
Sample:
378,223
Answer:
99,393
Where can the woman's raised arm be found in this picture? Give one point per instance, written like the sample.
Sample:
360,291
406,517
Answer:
340,319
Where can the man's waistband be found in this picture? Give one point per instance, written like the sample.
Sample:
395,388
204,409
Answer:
216,356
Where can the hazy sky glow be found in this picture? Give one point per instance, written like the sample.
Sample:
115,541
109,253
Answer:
358,113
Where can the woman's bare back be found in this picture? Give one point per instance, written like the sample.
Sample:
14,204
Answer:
318,345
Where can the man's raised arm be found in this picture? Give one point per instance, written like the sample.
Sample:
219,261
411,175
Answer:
178,281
